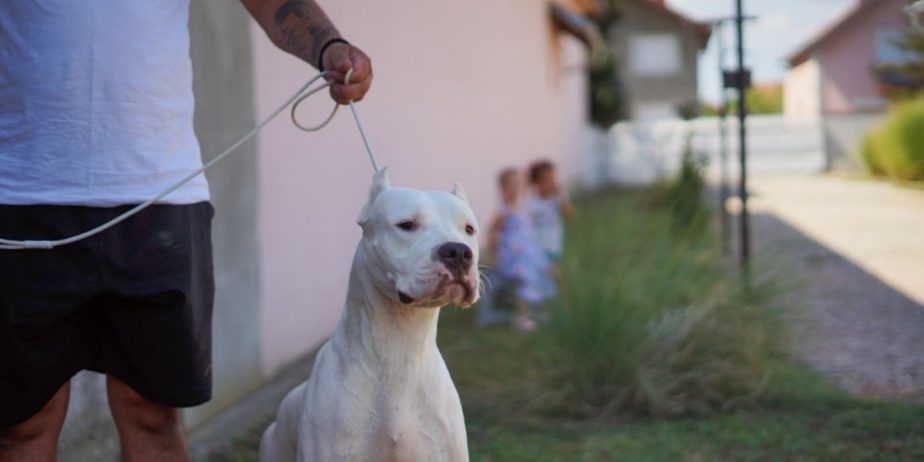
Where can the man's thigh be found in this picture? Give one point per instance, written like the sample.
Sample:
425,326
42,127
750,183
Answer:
134,302
45,332
158,305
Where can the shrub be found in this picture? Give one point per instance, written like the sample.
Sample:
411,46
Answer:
869,156
896,148
649,324
685,194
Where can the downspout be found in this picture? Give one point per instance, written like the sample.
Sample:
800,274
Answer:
822,112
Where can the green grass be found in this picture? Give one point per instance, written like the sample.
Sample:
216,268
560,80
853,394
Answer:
650,320
798,417
506,378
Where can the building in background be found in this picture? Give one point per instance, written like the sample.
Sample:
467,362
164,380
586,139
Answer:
832,73
657,50
831,76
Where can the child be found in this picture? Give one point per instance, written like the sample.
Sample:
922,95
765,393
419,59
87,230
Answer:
518,258
545,208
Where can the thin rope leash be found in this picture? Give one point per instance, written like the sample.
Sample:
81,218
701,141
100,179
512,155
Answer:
301,95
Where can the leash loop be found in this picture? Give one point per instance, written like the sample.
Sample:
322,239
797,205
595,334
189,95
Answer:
303,93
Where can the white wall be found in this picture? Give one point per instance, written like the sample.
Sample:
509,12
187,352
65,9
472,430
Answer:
461,90
224,88
647,152
801,91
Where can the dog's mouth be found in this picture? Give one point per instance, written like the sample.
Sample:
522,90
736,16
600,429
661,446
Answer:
468,292
405,298
458,290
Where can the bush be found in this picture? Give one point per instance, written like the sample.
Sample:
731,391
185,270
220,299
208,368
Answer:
869,156
649,324
896,149
685,195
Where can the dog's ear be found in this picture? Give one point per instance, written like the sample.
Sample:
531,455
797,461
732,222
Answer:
379,183
459,191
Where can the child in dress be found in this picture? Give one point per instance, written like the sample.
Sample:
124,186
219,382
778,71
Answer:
518,258
546,207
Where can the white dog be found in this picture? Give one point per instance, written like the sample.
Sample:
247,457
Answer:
380,390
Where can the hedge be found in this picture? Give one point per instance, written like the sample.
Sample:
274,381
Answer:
896,148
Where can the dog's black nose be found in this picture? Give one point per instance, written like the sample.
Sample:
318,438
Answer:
456,256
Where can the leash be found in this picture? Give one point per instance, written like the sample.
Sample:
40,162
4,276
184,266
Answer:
301,95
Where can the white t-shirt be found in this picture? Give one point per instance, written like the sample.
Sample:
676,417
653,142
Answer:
545,216
96,102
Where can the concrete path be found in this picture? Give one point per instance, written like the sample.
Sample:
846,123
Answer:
878,226
856,249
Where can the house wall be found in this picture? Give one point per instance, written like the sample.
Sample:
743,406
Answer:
461,90
642,92
848,55
802,91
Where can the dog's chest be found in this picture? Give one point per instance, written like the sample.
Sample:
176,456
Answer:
412,438
411,426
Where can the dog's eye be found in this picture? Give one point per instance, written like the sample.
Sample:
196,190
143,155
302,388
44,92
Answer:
470,230
407,225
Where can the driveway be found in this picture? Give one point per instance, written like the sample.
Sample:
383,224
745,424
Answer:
856,248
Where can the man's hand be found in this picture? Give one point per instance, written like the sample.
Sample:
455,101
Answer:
301,28
340,58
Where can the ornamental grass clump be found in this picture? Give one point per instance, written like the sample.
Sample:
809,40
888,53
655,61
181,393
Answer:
649,323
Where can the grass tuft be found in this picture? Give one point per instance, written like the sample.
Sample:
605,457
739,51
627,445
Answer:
650,323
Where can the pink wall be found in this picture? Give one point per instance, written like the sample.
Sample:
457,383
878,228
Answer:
461,90
849,53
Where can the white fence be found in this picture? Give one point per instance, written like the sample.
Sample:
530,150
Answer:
644,152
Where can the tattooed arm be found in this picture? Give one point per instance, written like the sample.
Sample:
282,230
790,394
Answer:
301,28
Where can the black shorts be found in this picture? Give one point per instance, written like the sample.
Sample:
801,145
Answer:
134,302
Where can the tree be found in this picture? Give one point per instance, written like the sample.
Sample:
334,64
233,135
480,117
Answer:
902,80
607,97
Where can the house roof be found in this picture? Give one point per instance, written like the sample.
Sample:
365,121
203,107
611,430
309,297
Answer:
804,52
589,7
703,30
577,24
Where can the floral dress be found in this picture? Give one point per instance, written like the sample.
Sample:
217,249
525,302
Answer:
521,261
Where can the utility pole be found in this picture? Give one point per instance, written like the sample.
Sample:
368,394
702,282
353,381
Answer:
724,222
730,79
743,222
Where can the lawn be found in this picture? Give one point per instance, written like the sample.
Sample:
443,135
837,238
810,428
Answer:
795,416
521,405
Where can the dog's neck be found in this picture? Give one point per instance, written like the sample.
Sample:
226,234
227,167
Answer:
381,332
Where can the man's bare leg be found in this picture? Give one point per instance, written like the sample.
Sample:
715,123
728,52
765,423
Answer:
148,431
37,438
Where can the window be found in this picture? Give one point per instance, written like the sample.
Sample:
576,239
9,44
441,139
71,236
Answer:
654,55
888,50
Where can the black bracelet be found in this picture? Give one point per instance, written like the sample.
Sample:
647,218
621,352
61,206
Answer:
324,48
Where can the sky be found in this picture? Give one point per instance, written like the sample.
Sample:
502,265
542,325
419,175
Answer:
781,27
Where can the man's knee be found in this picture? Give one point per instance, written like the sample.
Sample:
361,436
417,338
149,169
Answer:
46,424
132,409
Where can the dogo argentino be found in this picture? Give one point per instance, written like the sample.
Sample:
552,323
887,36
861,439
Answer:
380,390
